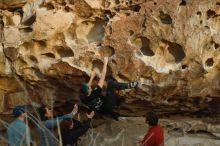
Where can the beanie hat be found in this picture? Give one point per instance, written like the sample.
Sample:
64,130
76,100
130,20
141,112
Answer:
18,110
85,88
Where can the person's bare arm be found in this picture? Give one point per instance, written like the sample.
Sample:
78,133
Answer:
91,78
103,74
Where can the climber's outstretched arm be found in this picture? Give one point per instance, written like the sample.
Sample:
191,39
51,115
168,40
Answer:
103,74
91,78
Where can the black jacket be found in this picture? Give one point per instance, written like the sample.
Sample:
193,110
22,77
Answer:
70,137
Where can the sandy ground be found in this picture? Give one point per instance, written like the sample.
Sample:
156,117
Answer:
126,132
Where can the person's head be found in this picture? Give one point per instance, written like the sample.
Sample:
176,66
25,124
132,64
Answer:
86,89
20,112
151,118
45,112
66,125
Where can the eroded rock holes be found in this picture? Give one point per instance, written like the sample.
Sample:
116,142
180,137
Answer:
176,50
183,3
107,51
165,18
64,51
210,14
144,44
209,62
97,32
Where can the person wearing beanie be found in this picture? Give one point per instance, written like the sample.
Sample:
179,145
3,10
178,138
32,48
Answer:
18,131
103,104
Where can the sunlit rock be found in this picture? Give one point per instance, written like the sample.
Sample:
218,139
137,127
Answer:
48,48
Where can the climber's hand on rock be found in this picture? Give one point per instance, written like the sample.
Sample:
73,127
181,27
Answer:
106,60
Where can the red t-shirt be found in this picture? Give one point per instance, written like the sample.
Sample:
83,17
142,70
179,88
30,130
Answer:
154,137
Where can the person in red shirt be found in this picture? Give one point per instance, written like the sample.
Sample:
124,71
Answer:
154,136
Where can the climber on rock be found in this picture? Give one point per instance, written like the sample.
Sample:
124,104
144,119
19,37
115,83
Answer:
103,104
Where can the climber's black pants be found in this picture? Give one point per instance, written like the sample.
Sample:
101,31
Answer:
109,101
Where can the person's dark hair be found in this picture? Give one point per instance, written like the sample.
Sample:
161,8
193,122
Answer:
152,118
42,111
65,125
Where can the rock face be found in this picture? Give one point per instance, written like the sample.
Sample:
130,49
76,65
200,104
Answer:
49,47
